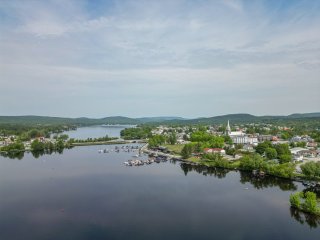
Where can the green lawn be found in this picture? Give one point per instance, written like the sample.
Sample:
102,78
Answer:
194,159
177,148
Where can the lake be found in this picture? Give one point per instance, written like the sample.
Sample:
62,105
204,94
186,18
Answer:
96,131
83,194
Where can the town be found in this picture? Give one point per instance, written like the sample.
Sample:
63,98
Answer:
262,148
288,151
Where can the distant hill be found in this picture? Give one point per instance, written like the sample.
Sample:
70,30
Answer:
246,118
304,115
158,119
234,118
58,120
119,120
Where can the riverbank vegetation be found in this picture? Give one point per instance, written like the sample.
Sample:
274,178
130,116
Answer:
311,169
89,140
13,147
38,146
142,132
26,132
250,162
306,202
274,151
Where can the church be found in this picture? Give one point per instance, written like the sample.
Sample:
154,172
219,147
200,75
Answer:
239,137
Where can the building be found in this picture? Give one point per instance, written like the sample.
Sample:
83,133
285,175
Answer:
262,138
239,137
215,150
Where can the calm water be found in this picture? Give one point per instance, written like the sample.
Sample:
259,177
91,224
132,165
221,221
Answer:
82,194
96,131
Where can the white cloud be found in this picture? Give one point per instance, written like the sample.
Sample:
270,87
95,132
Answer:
215,52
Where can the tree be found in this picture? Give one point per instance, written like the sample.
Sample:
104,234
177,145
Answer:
295,200
156,140
261,147
281,170
282,149
310,203
37,146
283,152
230,151
271,153
200,136
285,135
186,151
285,158
251,162
59,145
35,133
228,140
216,142
136,133
185,137
13,147
172,138
63,137
311,169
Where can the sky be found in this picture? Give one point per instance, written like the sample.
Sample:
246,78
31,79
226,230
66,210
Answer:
189,58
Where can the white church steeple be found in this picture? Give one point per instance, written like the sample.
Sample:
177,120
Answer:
228,130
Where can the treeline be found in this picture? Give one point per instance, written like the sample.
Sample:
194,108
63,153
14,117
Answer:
200,140
311,169
13,147
37,146
274,151
256,162
26,132
158,140
101,139
142,132
250,162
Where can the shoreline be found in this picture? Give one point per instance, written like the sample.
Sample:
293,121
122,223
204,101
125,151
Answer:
145,149
179,158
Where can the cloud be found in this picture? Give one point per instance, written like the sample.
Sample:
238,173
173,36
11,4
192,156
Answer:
214,52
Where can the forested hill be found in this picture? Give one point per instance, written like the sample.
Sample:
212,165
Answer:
234,118
59,120
248,118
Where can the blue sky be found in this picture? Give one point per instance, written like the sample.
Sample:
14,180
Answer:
151,58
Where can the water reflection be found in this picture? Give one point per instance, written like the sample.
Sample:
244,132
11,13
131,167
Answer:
35,154
245,177
267,182
12,155
315,190
86,195
206,171
304,218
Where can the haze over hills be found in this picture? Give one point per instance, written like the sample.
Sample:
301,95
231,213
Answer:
235,118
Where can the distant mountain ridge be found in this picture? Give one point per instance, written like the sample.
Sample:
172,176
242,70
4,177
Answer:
158,119
235,118
248,118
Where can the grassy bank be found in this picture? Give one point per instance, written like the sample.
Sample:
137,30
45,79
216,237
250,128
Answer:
176,149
